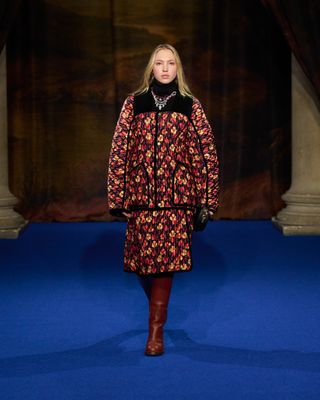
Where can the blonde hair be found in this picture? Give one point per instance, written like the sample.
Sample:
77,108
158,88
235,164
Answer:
148,75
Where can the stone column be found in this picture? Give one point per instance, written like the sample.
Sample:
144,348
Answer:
10,222
301,216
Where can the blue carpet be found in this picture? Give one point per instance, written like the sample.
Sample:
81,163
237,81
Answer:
243,324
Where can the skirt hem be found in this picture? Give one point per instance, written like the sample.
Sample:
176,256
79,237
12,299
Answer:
158,272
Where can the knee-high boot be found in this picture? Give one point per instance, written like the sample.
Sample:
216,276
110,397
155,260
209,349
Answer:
158,306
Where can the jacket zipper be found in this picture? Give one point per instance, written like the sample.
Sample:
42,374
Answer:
155,162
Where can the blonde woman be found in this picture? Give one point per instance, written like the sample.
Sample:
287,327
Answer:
163,162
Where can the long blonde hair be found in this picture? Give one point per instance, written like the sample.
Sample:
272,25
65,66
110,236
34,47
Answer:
148,75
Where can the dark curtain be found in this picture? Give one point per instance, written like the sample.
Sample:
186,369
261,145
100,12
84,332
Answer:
300,23
71,64
8,10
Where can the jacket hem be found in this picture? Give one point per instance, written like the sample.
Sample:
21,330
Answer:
147,208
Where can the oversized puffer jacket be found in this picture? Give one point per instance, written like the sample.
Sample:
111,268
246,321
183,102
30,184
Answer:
162,159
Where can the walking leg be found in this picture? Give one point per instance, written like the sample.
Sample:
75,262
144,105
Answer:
146,284
158,306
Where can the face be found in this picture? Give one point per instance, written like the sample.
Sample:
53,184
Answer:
165,66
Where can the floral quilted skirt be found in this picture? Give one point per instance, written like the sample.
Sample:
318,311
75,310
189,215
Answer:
158,241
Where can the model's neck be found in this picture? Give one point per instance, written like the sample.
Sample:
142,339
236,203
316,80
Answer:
163,88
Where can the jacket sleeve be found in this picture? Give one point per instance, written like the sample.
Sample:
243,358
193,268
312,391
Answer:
208,150
116,179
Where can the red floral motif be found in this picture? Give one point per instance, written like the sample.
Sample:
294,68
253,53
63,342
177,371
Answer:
161,165
210,167
158,241
138,185
162,160
117,157
183,185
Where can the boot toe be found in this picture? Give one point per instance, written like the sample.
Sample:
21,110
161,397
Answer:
154,349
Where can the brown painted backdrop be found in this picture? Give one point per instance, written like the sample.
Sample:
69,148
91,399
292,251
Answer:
71,64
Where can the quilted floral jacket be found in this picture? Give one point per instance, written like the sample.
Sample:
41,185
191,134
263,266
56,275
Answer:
162,159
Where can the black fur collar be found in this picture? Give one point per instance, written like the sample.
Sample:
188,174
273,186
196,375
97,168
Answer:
145,103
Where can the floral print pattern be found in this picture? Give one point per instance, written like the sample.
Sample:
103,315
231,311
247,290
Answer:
117,157
162,160
158,241
184,190
138,185
209,165
161,165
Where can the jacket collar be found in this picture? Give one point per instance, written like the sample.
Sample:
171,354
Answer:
145,103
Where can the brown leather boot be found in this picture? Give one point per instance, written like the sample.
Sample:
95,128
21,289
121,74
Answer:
158,306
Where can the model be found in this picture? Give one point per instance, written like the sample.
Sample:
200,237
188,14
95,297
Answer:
163,162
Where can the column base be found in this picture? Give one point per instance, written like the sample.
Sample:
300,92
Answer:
12,232
301,216
11,223
291,230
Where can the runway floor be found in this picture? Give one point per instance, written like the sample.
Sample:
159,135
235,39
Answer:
243,324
